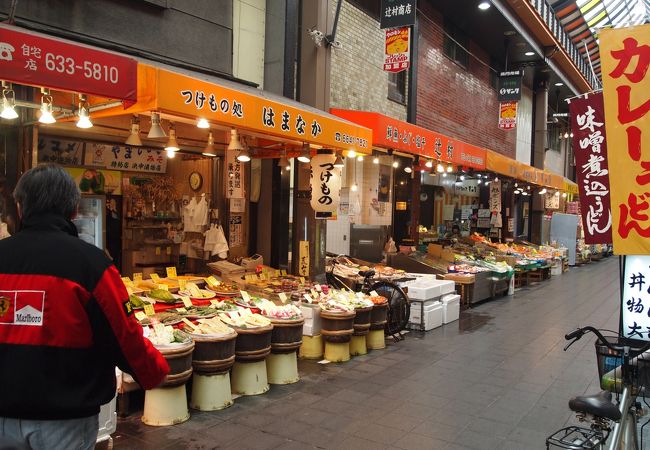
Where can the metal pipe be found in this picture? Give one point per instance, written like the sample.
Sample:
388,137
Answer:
624,406
331,38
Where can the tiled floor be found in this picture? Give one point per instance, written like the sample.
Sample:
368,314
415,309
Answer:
497,379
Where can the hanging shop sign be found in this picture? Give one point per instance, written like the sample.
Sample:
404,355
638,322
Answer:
124,157
325,185
36,60
303,261
96,181
395,134
509,86
396,13
192,97
467,187
635,298
592,172
62,151
397,49
626,87
234,175
495,196
507,115
552,200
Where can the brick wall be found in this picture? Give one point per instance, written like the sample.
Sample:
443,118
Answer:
452,100
357,78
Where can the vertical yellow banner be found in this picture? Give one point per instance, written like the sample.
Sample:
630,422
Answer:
303,261
625,56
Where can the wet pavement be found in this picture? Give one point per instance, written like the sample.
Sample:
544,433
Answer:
496,379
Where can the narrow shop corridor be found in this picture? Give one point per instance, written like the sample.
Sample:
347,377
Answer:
497,379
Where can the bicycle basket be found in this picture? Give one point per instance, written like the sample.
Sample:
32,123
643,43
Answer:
610,364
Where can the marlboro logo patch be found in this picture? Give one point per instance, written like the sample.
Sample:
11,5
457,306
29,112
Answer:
22,308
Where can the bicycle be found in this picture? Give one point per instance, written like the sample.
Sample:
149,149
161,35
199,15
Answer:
622,369
398,303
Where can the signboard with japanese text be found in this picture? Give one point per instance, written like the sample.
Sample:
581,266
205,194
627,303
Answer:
325,185
234,175
625,55
635,297
303,259
29,58
467,187
66,152
124,157
592,172
396,13
495,196
507,115
395,134
96,181
397,49
239,108
552,200
236,231
509,86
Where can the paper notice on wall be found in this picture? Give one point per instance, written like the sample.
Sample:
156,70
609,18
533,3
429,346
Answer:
237,205
236,231
448,212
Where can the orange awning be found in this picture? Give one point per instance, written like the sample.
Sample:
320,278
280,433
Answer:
496,162
402,136
229,104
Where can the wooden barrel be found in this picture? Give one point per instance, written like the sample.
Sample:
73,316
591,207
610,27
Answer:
378,316
337,327
362,320
179,358
213,354
287,335
253,344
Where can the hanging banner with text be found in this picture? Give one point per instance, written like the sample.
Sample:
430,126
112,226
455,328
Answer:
303,259
234,175
396,13
509,86
28,58
625,56
590,150
67,152
325,185
124,157
397,53
507,115
635,298
495,196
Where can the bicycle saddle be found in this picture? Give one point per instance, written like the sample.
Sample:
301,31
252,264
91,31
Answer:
597,404
367,273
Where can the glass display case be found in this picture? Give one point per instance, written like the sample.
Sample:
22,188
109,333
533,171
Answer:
90,220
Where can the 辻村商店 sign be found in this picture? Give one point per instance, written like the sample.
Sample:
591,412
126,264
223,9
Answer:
396,13
32,59
625,55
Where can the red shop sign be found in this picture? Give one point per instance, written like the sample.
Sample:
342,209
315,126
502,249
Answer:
590,147
35,60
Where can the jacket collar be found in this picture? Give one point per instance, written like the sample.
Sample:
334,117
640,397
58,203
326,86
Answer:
49,222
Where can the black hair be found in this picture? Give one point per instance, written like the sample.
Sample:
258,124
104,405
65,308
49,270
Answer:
47,188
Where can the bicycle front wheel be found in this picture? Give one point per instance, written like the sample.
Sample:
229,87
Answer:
398,306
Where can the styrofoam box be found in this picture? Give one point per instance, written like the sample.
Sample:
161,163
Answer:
107,420
417,306
432,317
450,308
426,289
310,311
310,329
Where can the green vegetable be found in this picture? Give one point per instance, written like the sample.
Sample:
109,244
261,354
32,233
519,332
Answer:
136,302
162,295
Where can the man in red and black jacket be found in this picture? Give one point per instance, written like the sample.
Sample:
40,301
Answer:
64,323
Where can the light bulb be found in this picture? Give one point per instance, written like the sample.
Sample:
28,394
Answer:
566,135
375,160
46,113
360,158
440,168
496,178
203,123
352,154
462,178
171,154
450,168
543,191
395,164
444,175
484,5
408,169
8,105
354,187
564,195
84,118
429,163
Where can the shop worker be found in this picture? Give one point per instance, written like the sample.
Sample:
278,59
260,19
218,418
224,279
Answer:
64,325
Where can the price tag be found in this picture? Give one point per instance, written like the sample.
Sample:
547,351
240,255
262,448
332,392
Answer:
155,278
283,297
157,251
283,273
127,281
245,296
137,276
148,309
140,316
168,250
314,294
374,293
360,294
212,281
262,277
318,288
171,271
189,324
163,287
214,303
182,284
187,302
159,328
302,280
181,310
308,298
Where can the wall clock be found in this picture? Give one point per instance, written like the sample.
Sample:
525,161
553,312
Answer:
196,181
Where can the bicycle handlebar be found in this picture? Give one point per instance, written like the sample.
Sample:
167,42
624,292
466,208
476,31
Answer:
577,334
